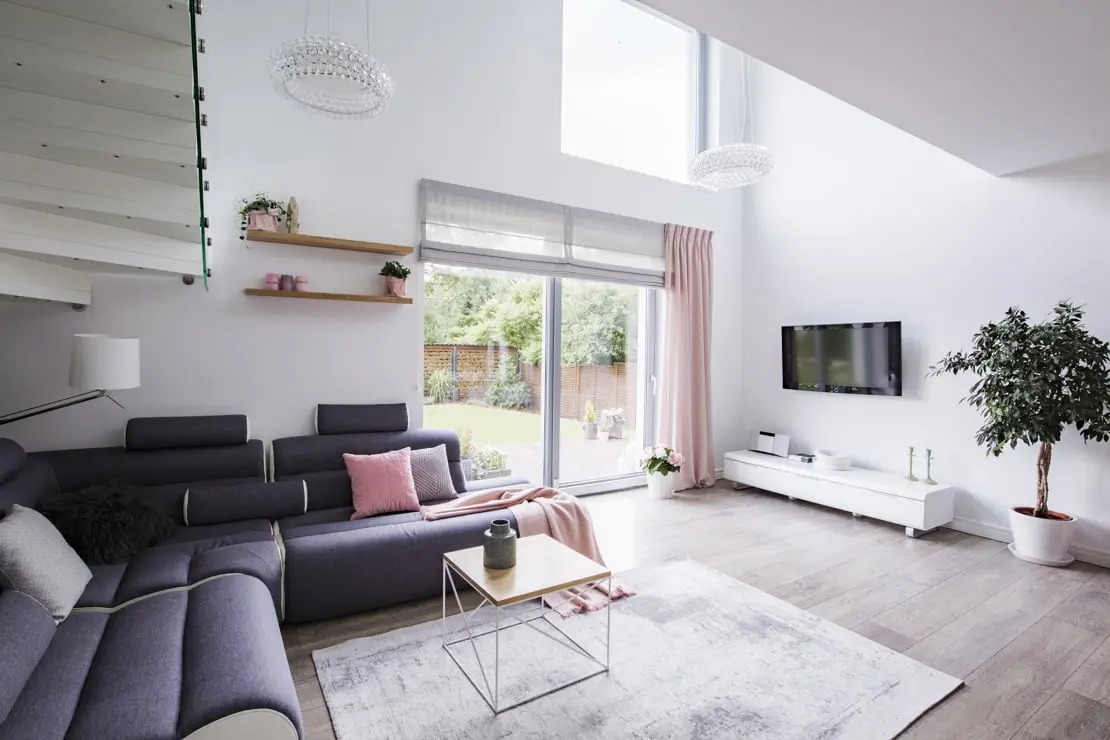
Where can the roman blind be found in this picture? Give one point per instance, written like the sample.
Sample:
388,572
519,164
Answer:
481,228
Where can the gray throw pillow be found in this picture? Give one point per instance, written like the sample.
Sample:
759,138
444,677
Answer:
36,560
432,475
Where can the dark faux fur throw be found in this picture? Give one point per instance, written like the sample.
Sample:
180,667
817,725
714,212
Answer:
105,523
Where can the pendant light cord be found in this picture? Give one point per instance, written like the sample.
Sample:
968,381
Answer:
367,26
746,109
307,5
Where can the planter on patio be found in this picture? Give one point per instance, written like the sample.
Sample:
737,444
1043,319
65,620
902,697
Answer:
614,423
590,430
467,468
487,474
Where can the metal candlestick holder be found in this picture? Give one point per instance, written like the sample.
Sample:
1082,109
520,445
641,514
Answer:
911,476
929,468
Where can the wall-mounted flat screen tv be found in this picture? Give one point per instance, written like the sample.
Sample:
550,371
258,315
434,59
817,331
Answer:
843,358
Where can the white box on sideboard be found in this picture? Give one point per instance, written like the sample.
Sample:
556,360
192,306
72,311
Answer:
919,507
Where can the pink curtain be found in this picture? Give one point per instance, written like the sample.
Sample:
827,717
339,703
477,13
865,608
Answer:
686,423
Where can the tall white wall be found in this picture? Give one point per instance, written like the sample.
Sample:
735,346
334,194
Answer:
478,103
862,222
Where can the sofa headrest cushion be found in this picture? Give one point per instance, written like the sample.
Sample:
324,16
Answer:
334,418
12,458
177,432
219,504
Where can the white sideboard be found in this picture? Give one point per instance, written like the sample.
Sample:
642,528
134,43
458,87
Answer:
919,507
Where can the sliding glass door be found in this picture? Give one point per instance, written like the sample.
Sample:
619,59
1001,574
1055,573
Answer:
600,330
549,378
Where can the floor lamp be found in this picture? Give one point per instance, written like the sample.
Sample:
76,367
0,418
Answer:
98,363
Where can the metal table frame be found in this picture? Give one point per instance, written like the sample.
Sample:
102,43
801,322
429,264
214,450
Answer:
491,695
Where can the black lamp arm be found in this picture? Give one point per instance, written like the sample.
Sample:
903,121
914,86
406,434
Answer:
55,405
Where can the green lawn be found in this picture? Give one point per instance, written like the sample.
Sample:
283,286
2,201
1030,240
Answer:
492,425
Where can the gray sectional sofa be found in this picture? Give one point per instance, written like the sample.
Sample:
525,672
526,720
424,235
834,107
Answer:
335,566
184,640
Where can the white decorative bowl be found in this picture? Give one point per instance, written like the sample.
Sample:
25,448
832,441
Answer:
831,460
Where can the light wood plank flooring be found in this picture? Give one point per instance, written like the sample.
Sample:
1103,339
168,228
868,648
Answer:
1032,643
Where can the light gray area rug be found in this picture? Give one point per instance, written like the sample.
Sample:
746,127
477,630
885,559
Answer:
696,654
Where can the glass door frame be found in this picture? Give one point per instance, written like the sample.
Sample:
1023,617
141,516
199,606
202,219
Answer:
551,388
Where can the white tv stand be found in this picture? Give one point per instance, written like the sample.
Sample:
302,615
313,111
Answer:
918,507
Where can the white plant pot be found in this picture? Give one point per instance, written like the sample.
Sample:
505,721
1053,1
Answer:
660,486
1041,541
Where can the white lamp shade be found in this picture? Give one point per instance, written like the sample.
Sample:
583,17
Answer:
100,362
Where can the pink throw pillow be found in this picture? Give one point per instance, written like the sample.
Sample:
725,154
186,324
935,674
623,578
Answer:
381,484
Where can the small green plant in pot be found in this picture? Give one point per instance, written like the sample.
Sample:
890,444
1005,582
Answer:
1035,381
396,278
589,420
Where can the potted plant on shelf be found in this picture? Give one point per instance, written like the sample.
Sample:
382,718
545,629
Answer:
1035,381
614,423
396,276
659,462
261,212
589,420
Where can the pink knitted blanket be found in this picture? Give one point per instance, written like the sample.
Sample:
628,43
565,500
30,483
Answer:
543,511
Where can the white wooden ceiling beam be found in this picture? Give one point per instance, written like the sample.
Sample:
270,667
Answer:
36,108
69,75
151,169
105,187
188,233
29,233
19,133
61,32
160,19
28,278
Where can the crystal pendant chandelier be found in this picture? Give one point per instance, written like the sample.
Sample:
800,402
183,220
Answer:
733,165
329,75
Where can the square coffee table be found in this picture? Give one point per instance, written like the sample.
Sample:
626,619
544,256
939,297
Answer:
543,566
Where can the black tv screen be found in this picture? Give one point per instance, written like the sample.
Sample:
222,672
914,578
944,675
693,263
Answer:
843,358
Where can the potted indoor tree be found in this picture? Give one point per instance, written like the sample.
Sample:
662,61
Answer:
659,462
396,276
589,420
1035,381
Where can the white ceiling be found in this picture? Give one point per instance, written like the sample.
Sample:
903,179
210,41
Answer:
1007,85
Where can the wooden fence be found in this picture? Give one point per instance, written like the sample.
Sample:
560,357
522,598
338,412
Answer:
472,366
607,386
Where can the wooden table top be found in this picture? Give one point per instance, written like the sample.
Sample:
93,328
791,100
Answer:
542,567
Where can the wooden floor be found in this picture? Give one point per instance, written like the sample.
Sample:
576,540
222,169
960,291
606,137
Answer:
1031,642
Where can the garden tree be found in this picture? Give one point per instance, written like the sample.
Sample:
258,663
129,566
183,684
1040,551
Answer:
464,308
451,299
512,317
596,322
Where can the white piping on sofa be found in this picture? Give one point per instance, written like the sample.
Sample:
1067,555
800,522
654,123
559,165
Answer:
144,597
280,541
251,724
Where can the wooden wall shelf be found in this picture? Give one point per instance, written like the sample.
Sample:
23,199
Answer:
325,242
326,296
